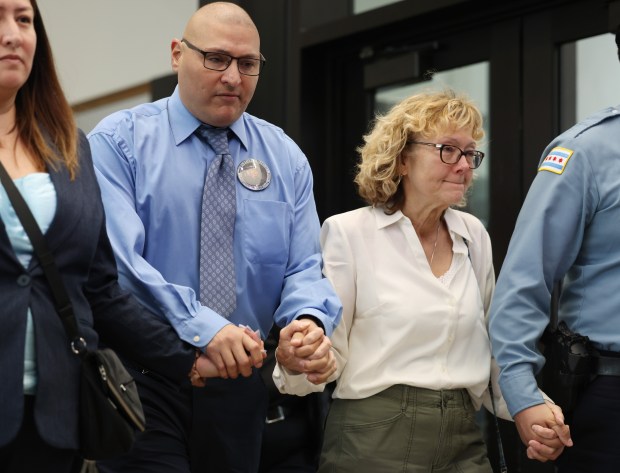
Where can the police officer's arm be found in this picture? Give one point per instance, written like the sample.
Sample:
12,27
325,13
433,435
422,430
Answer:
544,245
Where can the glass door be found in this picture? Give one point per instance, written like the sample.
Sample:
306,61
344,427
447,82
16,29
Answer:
596,74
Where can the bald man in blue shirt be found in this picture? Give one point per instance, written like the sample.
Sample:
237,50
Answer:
151,165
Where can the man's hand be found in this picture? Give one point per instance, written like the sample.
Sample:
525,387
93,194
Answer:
204,368
235,350
304,348
543,431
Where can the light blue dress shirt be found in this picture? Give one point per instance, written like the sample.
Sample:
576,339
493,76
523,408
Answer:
568,229
151,168
39,193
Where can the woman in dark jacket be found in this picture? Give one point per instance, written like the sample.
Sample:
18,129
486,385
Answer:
50,163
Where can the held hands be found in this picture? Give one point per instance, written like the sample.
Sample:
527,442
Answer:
203,368
304,348
543,431
233,351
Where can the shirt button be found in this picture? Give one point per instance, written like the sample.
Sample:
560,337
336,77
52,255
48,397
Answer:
23,280
196,338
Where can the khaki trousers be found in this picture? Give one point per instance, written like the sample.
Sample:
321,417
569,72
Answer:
404,429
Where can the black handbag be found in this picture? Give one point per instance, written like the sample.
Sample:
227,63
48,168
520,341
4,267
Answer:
110,411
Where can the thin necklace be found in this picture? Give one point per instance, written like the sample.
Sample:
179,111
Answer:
435,245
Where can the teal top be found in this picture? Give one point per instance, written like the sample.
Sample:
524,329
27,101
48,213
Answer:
40,195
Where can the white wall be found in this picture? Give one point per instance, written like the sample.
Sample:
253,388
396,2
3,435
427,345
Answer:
101,47
598,74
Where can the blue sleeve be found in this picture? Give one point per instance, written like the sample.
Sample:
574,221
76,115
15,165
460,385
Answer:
120,321
305,291
545,243
113,158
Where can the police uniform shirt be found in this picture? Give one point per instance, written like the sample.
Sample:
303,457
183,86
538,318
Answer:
568,229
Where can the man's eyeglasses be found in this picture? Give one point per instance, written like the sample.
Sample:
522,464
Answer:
248,66
450,154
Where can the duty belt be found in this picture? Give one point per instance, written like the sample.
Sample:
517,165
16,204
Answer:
607,365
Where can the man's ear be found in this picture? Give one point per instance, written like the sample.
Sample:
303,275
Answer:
175,54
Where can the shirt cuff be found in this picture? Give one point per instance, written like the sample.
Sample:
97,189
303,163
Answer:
200,329
296,384
521,391
319,318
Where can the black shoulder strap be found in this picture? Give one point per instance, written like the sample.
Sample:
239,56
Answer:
502,460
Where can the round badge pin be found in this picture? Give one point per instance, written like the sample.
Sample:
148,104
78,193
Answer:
254,174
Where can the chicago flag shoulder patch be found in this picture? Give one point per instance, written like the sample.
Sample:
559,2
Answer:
556,160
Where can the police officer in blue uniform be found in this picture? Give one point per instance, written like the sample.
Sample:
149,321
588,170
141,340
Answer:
568,231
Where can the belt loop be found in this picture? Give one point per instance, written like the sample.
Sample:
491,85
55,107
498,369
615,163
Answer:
404,397
464,395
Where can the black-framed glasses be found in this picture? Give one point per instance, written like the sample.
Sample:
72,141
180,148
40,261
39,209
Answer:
450,154
215,61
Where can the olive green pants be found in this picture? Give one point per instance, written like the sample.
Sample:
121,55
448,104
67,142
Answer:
404,429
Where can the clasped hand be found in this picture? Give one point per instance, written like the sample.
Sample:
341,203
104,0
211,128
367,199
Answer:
304,348
232,352
543,431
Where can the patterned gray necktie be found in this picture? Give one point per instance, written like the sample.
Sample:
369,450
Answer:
217,265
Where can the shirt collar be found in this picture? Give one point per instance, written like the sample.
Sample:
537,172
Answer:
239,130
384,220
183,124
456,225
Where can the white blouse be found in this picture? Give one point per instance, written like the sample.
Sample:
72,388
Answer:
400,323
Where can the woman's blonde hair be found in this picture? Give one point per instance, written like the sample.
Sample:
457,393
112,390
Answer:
417,117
